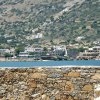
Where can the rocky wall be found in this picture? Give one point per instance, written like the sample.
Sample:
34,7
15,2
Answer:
70,83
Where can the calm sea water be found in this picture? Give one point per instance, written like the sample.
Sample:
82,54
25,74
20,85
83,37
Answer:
51,63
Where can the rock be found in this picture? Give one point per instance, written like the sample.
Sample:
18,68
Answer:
76,98
69,86
32,84
97,93
12,98
9,88
70,98
96,76
2,73
55,75
66,75
38,76
2,90
54,92
9,76
49,84
52,98
48,98
87,88
57,97
36,95
74,74
91,98
45,97
64,97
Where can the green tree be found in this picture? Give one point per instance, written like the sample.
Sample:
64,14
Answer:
8,55
45,49
18,50
81,49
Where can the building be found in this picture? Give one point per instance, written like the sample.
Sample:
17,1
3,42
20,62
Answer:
59,50
97,48
23,55
72,53
37,36
29,49
91,53
3,51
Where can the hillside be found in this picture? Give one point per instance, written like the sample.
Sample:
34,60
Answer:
56,21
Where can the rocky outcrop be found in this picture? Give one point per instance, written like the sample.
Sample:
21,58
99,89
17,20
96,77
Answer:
70,83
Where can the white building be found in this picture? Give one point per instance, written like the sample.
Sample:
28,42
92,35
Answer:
60,48
29,49
96,48
5,51
37,36
80,38
23,54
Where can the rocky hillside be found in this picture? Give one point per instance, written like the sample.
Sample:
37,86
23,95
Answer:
54,20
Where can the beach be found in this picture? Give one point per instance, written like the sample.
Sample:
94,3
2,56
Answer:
58,83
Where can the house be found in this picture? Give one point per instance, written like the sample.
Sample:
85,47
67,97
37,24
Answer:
59,51
29,49
91,53
3,51
72,53
23,55
96,42
80,38
96,48
38,49
37,36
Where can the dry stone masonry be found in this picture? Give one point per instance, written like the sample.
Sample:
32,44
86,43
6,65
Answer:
67,83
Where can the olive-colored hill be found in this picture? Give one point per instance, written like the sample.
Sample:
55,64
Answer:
59,21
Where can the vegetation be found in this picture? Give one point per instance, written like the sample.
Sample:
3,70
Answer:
17,23
18,50
7,55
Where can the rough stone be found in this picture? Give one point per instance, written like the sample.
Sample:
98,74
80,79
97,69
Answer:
70,98
87,88
74,74
69,86
55,75
72,83
32,84
96,76
38,76
45,97
2,73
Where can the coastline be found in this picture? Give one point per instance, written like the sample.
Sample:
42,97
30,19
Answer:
45,83
52,64
67,66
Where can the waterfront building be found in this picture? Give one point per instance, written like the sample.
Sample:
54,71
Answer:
91,53
23,54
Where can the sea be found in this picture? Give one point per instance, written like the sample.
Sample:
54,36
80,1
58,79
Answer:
35,64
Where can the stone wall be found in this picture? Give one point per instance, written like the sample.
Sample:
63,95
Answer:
70,83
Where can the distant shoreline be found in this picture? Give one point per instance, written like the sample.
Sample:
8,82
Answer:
50,64
51,67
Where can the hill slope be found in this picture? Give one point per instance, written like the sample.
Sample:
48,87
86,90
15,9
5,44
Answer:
56,20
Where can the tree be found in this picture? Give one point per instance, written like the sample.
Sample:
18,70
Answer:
45,49
18,50
51,41
8,55
52,18
81,49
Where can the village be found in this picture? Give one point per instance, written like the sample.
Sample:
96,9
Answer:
58,52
